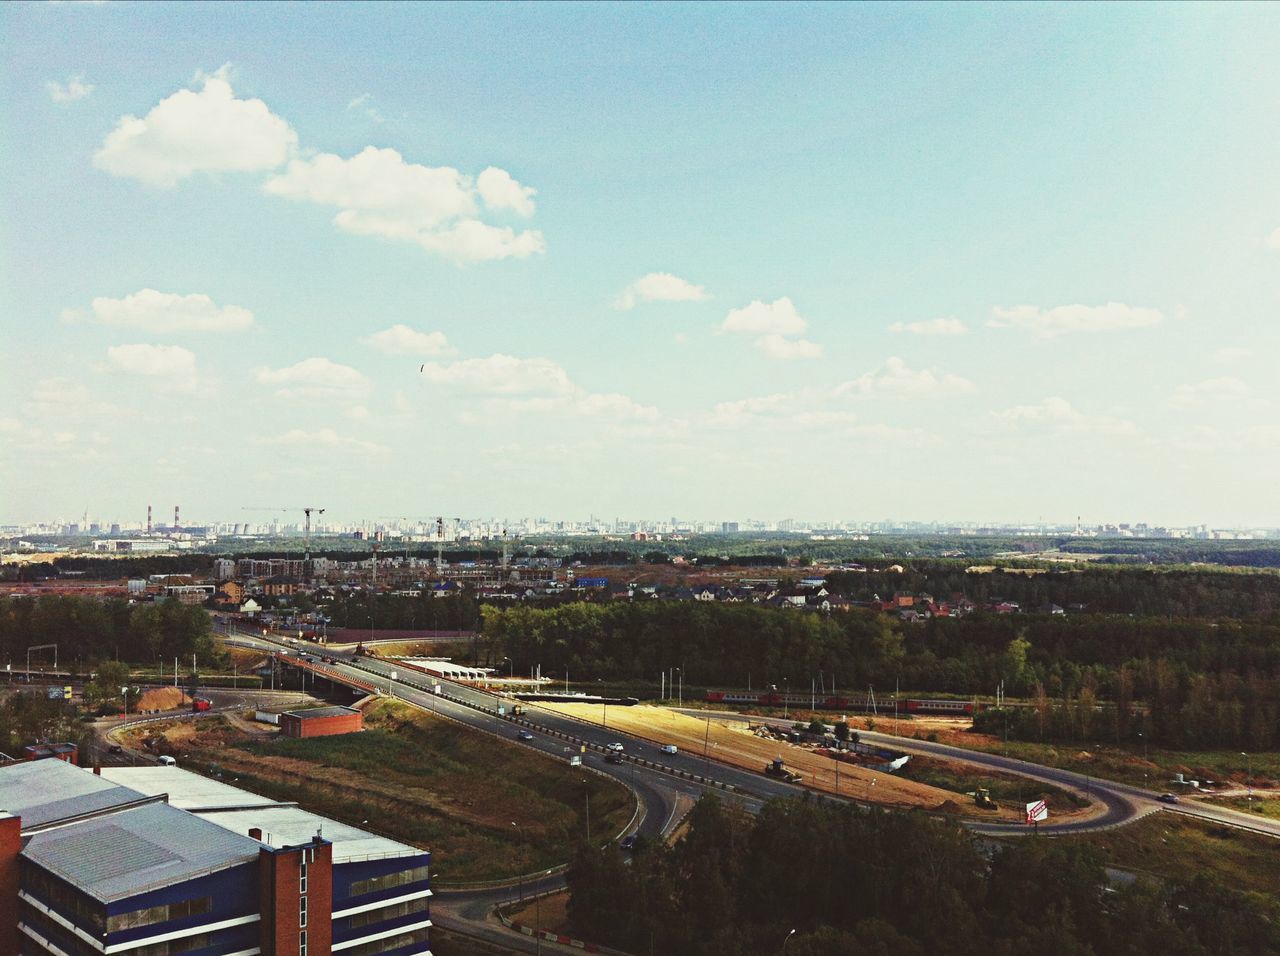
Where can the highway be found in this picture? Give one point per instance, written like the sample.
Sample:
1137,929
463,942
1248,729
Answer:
665,784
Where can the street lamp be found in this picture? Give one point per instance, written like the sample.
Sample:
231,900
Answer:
1248,775
787,940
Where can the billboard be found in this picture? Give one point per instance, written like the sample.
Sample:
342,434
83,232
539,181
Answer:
1037,811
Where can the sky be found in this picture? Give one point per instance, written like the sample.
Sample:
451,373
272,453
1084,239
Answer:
999,263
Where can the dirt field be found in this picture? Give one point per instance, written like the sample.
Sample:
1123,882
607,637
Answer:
730,742
163,698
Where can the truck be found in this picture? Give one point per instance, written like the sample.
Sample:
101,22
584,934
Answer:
199,704
780,770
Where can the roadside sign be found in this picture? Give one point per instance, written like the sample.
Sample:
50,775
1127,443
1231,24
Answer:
1037,811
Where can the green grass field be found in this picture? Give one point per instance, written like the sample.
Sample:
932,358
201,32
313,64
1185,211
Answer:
429,782
1170,846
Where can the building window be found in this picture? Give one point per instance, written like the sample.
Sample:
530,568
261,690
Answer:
302,911
302,943
302,877
388,881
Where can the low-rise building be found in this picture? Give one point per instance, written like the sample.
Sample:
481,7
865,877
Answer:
321,721
159,860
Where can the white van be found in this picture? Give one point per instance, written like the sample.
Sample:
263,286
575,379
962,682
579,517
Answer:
668,748
166,761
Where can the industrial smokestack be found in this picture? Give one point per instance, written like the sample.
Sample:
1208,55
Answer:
255,833
176,523
148,519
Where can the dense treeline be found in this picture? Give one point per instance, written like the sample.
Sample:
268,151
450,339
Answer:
87,630
849,882
1171,592
1202,683
385,611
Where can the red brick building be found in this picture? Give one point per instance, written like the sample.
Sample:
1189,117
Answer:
321,722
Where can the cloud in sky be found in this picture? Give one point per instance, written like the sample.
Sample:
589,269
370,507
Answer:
165,312
1057,414
895,379
777,347
74,89
500,191
402,340
317,378
1231,353
944,326
536,385
778,317
377,193
660,287
156,361
1209,391
504,375
1273,240
191,131
1066,319
364,103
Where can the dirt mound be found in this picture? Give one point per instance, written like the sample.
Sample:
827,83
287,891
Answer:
164,698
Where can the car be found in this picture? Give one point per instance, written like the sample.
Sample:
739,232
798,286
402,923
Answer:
524,735
166,761
115,749
628,842
615,747
669,748
1168,798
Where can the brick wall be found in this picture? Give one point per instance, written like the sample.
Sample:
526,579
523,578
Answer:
280,883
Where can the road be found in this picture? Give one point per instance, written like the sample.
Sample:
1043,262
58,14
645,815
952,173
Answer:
664,783
1123,803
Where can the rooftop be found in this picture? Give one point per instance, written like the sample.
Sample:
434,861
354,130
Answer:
48,791
293,826
130,852
186,790
334,711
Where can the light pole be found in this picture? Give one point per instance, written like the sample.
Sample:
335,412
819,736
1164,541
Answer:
587,789
787,940
1248,776
1144,745
124,694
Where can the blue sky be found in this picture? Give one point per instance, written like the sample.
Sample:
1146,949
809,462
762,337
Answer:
849,262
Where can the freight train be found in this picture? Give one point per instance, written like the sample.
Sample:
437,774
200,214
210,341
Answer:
798,701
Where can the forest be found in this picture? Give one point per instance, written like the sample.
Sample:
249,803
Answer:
850,882
87,631
1208,683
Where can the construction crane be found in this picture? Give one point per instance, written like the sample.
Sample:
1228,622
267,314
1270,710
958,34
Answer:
305,510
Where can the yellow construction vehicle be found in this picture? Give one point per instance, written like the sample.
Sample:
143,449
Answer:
982,798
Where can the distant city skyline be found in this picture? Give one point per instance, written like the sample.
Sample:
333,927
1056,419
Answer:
987,262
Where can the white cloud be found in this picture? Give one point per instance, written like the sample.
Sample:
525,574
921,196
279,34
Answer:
166,312
500,191
503,375
660,287
377,193
74,89
324,438
1064,319
945,326
402,340
364,103
162,361
1209,391
776,347
190,132
896,379
1273,240
315,378
1057,414
802,409
534,385
766,318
